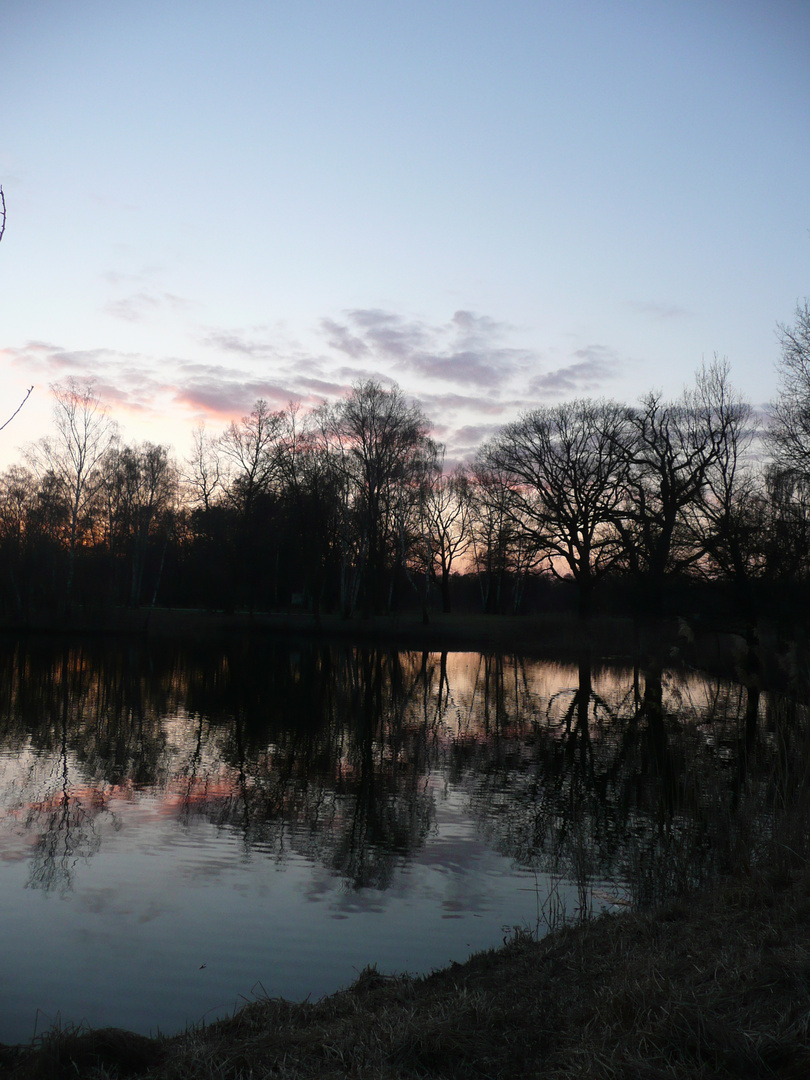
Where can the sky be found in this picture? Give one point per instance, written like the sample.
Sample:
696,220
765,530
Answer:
497,205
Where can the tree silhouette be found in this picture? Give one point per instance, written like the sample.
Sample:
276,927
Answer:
382,449
789,430
568,479
73,456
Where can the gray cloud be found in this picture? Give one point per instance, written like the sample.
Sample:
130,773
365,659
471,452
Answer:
225,399
235,341
592,367
54,362
127,381
464,367
439,404
196,368
463,443
179,303
387,334
467,377
351,375
224,392
324,388
475,434
343,340
159,386
132,308
138,306
465,350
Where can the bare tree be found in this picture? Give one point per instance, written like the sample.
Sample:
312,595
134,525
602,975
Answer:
443,528
504,537
84,432
311,487
787,526
568,479
666,471
18,496
140,483
381,446
671,449
728,515
789,432
249,448
202,475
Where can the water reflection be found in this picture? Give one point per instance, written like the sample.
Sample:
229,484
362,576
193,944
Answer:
328,753
348,760
624,776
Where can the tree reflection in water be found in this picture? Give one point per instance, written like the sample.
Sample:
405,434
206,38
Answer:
600,774
633,787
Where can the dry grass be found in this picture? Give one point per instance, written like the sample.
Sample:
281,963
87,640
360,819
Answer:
716,985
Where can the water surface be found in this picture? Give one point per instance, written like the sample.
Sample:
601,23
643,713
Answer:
184,827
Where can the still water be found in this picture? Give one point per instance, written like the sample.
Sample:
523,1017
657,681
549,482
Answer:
182,828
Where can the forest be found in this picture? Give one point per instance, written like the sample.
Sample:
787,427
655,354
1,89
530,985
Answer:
350,507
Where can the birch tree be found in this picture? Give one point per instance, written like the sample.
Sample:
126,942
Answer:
83,433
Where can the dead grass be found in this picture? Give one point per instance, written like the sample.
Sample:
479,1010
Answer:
716,985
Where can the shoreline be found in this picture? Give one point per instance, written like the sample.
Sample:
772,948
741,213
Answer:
773,661
710,985
442,630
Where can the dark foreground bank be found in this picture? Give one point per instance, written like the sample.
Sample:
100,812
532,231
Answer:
716,985
441,631
606,636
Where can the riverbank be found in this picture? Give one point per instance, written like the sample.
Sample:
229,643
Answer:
527,634
712,985
776,658
442,631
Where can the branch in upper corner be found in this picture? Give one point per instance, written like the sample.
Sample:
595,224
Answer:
27,396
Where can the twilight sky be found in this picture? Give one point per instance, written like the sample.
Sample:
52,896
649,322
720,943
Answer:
496,204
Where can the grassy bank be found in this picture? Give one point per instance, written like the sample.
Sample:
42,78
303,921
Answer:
714,985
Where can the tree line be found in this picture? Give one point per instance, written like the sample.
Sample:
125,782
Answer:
348,507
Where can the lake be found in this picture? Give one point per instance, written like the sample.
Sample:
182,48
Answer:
185,827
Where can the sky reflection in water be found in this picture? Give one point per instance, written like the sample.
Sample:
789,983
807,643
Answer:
179,828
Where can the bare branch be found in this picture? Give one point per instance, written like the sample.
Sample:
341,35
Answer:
2,214
30,388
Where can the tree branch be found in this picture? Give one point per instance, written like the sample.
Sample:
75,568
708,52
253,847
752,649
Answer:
30,388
